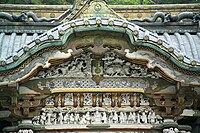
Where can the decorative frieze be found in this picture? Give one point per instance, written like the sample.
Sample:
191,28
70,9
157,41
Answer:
85,116
89,83
111,65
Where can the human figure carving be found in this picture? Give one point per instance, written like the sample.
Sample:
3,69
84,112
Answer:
71,118
87,117
132,117
153,118
115,118
104,117
110,120
54,118
48,118
98,117
66,118
77,118
43,118
144,117
60,118
138,118
121,117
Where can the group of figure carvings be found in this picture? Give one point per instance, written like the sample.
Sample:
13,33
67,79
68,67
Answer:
174,130
80,66
50,116
87,99
113,66
25,131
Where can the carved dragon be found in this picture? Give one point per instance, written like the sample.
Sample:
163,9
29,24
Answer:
155,17
26,16
167,17
194,16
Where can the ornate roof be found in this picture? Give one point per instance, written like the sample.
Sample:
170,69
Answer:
180,48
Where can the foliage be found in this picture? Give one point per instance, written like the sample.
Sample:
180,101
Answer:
175,1
129,2
111,2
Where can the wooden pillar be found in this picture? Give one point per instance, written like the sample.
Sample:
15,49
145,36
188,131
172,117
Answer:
94,99
113,100
81,99
138,99
100,99
75,99
132,100
56,100
62,100
119,100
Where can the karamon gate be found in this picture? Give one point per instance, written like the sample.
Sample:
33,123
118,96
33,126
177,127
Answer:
95,71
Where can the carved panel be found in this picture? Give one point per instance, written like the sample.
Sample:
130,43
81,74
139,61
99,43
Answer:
68,99
85,116
89,83
80,66
88,99
115,66
111,65
125,99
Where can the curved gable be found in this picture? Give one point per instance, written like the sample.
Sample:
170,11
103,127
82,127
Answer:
17,53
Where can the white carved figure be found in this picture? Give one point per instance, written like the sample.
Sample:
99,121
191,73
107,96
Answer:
43,118
172,130
76,118
48,121
83,120
104,118
125,117
152,118
36,120
54,118
138,118
144,117
71,118
110,119
121,117
132,118
60,118
87,117
115,118
25,131
97,117
66,118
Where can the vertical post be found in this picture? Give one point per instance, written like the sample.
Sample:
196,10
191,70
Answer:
62,100
81,99
131,100
119,100
75,99
94,99
100,99
112,100
56,100
138,99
